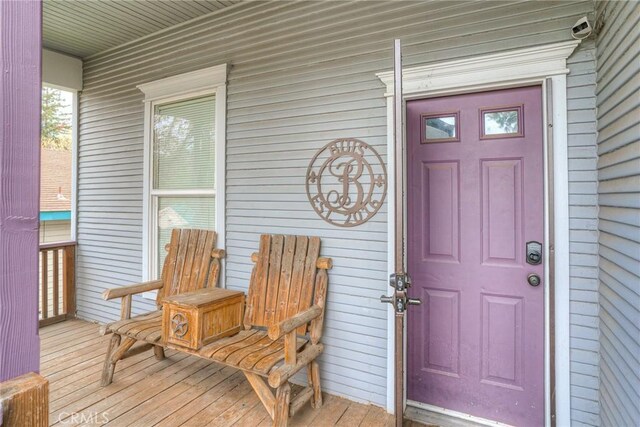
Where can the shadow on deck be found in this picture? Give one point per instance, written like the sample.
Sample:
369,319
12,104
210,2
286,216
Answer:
180,390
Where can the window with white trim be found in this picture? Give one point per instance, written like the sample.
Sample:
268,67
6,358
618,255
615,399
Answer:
183,168
184,159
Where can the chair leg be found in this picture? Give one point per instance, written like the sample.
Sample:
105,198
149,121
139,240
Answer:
158,351
283,397
109,367
313,378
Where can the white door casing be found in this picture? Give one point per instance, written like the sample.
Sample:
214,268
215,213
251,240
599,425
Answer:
533,65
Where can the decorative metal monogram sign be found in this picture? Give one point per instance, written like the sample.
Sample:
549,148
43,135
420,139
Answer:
346,182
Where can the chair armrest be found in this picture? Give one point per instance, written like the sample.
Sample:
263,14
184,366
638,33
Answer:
290,324
282,373
137,288
218,253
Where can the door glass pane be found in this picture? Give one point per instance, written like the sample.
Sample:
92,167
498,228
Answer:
501,122
440,128
182,212
184,144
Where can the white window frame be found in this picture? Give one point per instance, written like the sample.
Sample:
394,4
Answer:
64,72
207,81
73,222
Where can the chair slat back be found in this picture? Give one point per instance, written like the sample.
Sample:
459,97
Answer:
187,266
283,279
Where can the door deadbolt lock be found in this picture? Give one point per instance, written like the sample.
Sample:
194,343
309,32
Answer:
534,253
533,279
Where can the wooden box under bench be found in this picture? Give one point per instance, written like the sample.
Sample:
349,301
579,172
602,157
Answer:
194,319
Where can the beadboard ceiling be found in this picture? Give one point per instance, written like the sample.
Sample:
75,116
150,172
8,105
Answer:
85,27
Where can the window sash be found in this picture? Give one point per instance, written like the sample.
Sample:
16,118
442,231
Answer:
194,84
155,254
183,139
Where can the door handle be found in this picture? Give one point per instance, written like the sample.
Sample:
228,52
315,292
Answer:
533,279
399,299
386,299
400,303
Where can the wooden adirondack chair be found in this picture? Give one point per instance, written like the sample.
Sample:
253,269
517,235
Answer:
283,324
192,262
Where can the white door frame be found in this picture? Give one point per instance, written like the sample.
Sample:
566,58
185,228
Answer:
494,71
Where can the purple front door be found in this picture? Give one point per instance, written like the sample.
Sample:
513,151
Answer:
475,200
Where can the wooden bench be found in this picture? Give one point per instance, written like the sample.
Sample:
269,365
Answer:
282,324
192,263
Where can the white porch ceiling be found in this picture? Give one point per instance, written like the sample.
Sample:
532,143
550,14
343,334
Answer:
84,27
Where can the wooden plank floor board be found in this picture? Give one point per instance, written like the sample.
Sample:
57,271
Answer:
353,416
91,384
183,414
71,352
223,403
180,390
377,417
63,338
307,414
80,341
52,368
93,394
178,396
55,344
72,326
90,392
62,334
135,389
92,376
91,362
60,359
236,410
128,411
330,412
254,417
58,328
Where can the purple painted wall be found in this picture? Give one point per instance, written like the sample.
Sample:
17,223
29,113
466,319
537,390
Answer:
20,63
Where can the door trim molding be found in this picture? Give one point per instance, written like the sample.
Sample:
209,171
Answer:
419,406
479,72
533,65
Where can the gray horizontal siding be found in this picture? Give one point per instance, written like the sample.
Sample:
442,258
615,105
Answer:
302,74
618,102
583,234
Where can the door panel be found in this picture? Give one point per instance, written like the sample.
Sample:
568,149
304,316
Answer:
501,354
441,330
475,198
440,200
501,200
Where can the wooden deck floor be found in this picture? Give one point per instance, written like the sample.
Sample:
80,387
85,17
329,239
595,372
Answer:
180,390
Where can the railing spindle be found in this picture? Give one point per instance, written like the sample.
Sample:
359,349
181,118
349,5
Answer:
45,286
56,282
69,277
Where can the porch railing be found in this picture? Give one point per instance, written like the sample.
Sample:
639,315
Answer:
57,282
